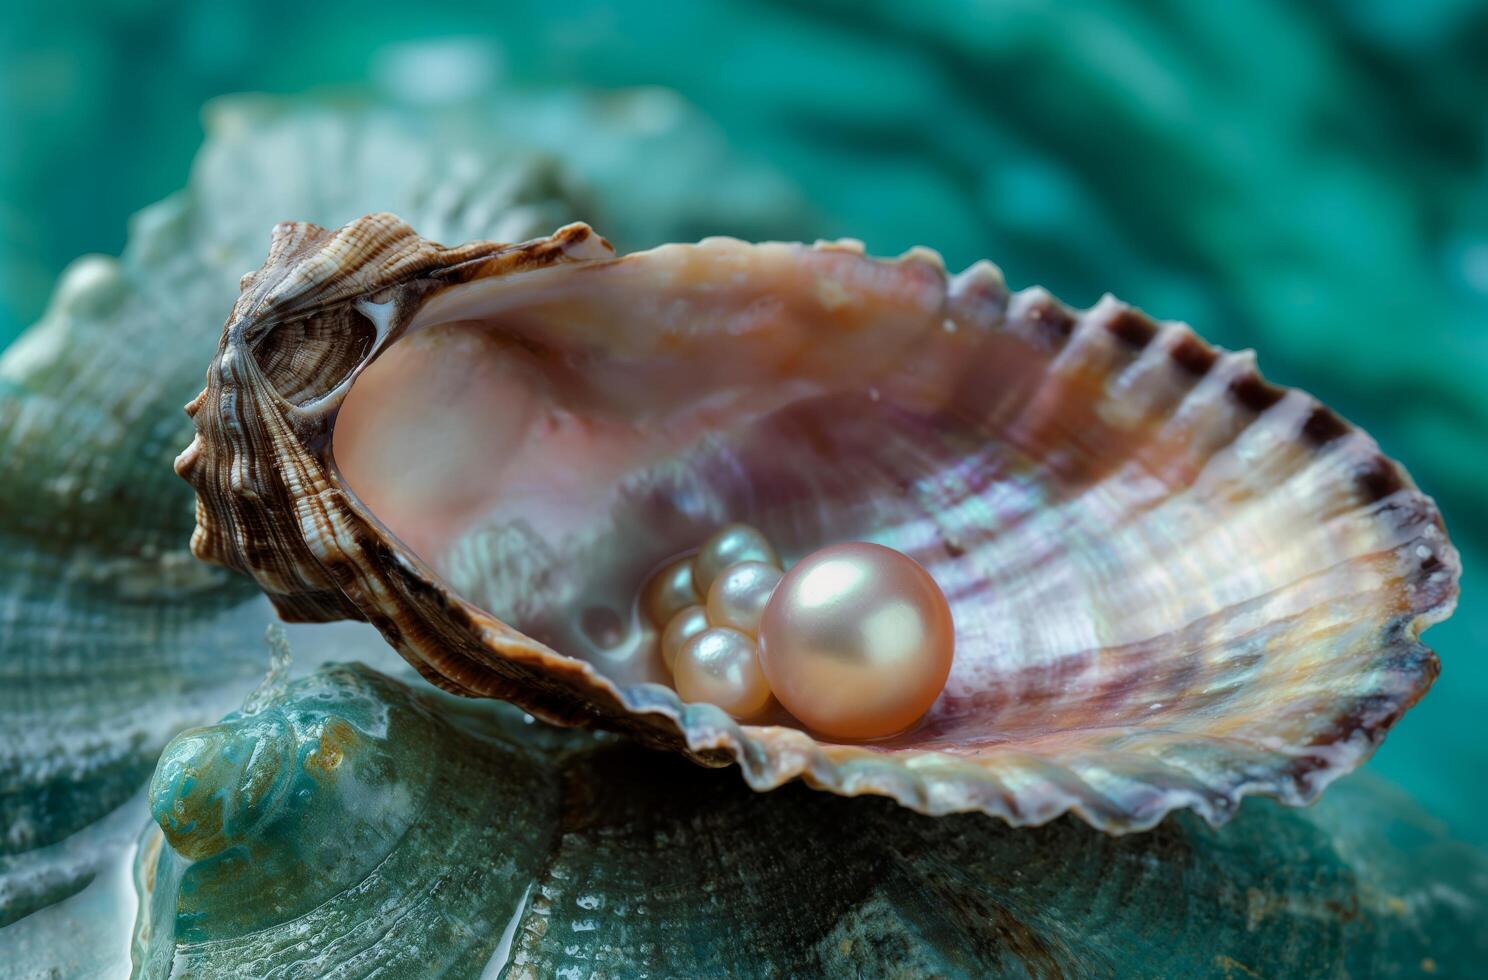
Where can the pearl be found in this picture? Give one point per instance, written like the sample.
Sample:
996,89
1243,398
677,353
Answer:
856,641
739,593
719,666
733,544
668,592
684,626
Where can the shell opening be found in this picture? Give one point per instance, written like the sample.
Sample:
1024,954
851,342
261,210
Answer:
307,357
1135,535
544,440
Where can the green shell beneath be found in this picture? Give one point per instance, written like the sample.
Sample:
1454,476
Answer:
353,821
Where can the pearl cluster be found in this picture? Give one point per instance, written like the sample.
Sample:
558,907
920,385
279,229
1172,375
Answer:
708,608
856,640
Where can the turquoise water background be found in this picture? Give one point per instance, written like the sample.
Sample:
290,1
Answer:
1308,180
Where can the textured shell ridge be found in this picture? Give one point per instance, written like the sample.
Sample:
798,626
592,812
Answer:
1153,426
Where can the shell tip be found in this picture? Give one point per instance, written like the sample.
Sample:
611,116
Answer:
852,246
920,255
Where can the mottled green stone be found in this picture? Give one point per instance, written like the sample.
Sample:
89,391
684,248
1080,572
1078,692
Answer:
360,826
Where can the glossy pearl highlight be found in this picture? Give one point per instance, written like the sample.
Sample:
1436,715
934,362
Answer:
733,544
738,595
670,591
719,666
686,624
856,641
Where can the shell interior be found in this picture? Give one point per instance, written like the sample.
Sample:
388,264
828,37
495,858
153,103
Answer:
1172,582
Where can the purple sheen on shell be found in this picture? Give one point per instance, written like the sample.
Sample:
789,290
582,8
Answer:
1173,584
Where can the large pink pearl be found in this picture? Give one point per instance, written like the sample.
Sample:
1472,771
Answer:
856,641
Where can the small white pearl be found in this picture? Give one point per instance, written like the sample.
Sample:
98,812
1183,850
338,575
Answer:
719,666
857,641
669,591
684,626
733,544
739,593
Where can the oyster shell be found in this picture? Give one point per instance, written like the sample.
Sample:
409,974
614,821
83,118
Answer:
1174,583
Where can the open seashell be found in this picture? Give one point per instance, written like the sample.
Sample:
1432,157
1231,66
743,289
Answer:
1173,584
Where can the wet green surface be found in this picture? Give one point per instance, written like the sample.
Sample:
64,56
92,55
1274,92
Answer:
348,822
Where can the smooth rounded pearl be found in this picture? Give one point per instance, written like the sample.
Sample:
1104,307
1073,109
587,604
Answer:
719,666
856,641
684,626
739,593
669,591
733,544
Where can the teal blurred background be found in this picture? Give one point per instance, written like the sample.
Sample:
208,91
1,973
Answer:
1310,180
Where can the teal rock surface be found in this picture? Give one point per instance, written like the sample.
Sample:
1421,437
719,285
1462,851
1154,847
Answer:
353,826
343,824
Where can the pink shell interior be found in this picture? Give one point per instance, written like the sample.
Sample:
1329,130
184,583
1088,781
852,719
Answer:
1172,582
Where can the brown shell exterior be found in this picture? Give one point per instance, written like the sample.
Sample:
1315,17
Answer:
250,464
